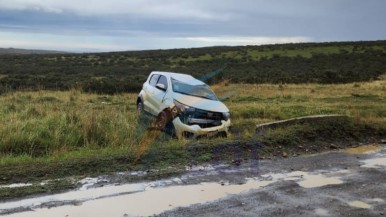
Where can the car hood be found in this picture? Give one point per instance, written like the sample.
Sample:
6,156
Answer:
201,103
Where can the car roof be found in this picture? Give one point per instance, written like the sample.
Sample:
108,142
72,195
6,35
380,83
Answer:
185,78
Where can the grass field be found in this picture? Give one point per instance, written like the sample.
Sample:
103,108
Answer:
52,134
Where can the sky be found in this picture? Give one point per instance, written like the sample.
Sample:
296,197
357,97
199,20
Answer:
118,25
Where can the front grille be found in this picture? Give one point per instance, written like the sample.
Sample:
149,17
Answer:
202,114
204,119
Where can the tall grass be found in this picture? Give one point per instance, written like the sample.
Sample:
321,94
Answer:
48,123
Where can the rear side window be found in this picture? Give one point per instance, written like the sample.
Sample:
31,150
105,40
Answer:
164,81
154,79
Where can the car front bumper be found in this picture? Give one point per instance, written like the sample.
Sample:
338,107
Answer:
195,130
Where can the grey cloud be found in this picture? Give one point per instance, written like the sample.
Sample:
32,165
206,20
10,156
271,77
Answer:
327,20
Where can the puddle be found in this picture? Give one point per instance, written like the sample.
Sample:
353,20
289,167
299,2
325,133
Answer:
365,149
148,202
91,182
308,180
200,168
376,200
143,199
359,204
321,212
313,181
79,195
374,162
16,185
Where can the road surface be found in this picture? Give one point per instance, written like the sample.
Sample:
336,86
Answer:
340,183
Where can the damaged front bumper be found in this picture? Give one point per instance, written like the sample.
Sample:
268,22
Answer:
183,130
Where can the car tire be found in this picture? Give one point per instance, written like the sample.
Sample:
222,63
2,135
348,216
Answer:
223,134
140,109
170,129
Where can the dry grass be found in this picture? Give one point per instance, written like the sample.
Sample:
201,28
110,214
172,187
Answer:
254,103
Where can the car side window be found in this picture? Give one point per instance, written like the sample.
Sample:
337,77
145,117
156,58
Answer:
153,80
164,81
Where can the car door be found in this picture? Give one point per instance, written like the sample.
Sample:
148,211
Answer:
159,93
150,103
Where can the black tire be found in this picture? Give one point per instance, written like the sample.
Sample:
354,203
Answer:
140,109
223,134
170,129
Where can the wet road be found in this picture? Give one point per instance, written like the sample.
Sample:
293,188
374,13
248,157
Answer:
345,183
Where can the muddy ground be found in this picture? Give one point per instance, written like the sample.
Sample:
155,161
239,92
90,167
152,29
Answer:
362,191
338,183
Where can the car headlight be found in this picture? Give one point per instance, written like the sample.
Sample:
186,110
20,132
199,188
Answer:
226,115
182,107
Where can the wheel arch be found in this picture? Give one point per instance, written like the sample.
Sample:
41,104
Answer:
139,99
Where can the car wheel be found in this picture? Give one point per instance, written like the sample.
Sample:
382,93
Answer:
170,129
223,134
140,108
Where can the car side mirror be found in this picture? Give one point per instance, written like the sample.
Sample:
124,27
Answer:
160,86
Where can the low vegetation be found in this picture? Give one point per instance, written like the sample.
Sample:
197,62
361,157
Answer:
118,72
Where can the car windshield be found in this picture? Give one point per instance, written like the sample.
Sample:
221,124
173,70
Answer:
202,91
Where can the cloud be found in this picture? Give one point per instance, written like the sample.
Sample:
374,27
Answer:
85,43
62,46
248,40
165,9
64,42
158,24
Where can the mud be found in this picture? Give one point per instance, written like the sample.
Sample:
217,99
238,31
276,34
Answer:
330,184
365,149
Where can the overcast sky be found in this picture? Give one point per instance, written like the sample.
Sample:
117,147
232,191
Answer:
115,25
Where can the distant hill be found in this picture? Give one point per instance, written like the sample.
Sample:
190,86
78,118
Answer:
26,51
334,62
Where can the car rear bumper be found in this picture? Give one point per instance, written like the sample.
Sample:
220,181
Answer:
195,130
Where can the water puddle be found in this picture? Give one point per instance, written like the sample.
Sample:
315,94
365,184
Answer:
321,212
147,202
308,180
376,200
359,204
365,149
200,168
313,181
143,199
16,185
374,162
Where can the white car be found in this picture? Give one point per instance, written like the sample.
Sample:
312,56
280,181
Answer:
185,104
